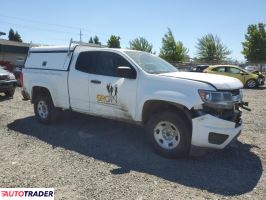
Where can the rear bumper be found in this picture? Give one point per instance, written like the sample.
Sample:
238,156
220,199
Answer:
7,85
212,132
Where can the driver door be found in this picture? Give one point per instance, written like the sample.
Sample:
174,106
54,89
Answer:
111,95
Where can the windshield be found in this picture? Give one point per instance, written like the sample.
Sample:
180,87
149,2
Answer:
151,63
247,72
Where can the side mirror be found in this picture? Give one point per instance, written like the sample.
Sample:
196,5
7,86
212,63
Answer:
242,73
126,72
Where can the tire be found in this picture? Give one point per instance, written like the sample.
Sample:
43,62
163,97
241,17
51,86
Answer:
251,83
169,134
44,109
10,93
25,95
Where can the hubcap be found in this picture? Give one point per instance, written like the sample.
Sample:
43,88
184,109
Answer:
166,135
251,84
42,109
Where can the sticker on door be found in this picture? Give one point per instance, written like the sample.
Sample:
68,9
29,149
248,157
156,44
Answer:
111,98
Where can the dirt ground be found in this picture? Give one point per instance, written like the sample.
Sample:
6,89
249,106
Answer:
84,157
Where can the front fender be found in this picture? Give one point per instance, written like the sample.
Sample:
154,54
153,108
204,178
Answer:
187,101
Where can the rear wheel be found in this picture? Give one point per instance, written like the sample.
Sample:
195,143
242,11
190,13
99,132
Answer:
10,93
252,83
44,109
170,134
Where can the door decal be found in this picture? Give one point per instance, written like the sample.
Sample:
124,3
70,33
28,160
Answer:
111,98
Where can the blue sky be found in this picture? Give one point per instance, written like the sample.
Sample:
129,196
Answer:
56,21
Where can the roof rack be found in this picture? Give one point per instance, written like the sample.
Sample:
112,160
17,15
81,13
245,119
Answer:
79,43
29,50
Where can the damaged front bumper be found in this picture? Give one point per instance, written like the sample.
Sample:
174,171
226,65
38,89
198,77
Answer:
6,85
216,127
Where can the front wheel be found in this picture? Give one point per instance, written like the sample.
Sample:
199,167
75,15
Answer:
10,93
44,109
252,83
170,134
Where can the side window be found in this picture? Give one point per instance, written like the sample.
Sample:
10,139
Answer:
233,70
122,62
86,62
107,63
100,62
194,69
219,69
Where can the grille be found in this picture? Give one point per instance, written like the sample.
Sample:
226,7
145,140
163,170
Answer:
235,92
3,77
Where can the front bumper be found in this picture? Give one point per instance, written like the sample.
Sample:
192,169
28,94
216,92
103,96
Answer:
25,94
7,85
261,81
212,132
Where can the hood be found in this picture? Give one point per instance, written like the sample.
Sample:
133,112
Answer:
220,82
3,71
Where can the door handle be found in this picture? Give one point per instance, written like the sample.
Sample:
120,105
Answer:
96,81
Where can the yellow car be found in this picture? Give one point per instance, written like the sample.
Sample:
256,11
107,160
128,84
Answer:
248,79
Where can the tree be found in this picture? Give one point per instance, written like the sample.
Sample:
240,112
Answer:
14,36
18,37
114,42
96,40
171,50
141,44
254,48
91,40
11,35
210,49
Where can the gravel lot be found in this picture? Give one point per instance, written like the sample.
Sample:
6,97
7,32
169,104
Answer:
83,157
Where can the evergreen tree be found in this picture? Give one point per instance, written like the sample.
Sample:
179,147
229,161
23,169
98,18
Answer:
96,40
17,37
91,40
14,36
11,35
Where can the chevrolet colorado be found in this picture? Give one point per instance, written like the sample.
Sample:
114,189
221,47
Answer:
180,110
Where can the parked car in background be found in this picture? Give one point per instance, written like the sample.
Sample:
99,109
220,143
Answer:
198,68
261,77
248,79
8,82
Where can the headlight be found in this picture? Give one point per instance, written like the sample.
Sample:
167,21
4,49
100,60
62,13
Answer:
217,99
213,96
11,77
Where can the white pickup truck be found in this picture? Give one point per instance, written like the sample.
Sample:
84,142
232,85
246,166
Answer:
180,110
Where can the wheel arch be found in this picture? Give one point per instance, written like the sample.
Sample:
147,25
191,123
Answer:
36,90
151,107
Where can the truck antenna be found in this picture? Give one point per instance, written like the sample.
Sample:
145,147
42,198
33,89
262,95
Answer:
80,36
69,47
29,48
